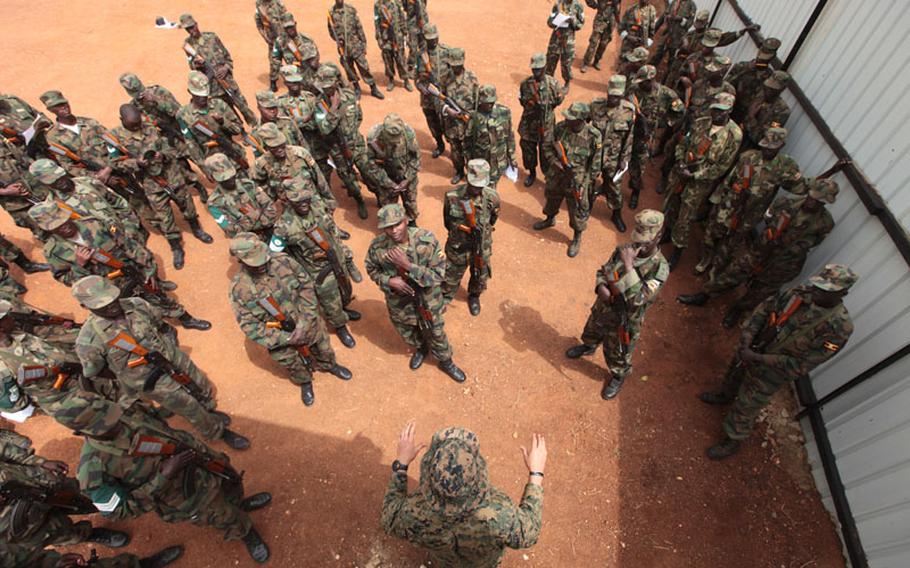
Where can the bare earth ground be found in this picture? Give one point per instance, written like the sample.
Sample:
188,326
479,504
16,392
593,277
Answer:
628,483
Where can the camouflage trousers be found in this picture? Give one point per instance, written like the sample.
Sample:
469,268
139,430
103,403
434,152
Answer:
58,529
668,44
455,134
322,358
641,155
612,192
680,209
214,502
393,58
10,290
163,214
719,243
561,50
762,276
556,191
438,341
344,167
354,65
603,326
434,123
457,263
753,385
243,106
408,199
531,153
601,34
275,61
417,44
329,296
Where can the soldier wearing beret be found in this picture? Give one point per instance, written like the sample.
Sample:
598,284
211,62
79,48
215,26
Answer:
539,96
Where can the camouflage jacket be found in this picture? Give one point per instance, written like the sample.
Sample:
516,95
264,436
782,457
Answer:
91,198
17,115
582,150
660,107
428,267
491,138
463,90
343,121
16,118
87,145
159,108
432,68
189,114
538,101
615,127
678,19
209,47
703,93
572,8
155,176
269,173
287,126
14,163
748,78
245,208
394,162
810,335
605,13
391,23
416,11
290,286
268,18
297,236
292,49
792,232
639,288
26,349
750,187
347,31
761,115
708,151
486,213
639,22
302,108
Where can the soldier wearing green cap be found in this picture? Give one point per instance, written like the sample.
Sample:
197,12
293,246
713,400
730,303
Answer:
678,18
462,88
787,336
490,136
347,31
626,286
614,118
237,204
409,267
692,41
638,26
269,18
749,76
391,25
769,110
470,212
566,18
209,123
299,104
574,158
606,13
418,24
270,112
632,61
539,95
393,150
270,288
456,514
432,68
299,50
75,140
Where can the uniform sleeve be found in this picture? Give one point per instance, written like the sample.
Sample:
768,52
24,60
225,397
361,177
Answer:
579,16
524,529
759,316
139,254
727,38
820,348
375,270
17,449
254,326
91,353
392,520
231,122
224,54
717,165
431,275
639,291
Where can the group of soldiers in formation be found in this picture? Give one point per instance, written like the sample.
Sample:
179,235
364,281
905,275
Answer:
91,194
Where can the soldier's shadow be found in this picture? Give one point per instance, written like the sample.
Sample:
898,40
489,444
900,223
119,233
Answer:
521,219
376,328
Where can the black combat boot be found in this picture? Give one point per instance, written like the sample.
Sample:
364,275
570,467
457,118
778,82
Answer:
273,85
30,267
580,350
109,538
202,191
225,418
235,440
345,337
617,220
353,315
532,177
544,224
341,372
459,175
574,246
361,207
307,395
374,90
199,232
633,199
474,304
177,252
611,388
343,235
417,358
256,502
162,558
674,257
440,148
189,322
716,398
731,318
257,548
451,369
698,299
584,67
391,86
723,449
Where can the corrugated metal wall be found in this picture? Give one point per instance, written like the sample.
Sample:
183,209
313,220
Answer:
853,66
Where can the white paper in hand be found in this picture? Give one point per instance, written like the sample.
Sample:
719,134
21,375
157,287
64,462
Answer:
650,42
561,20
331,163
512,173
620,173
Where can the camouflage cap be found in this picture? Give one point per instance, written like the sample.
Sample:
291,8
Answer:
823,189
46,171
266,99
131,83
775,137
392,126
478,173
455,56
712,37
250,250
270,135
702,16
220,167
298,188
768,49
538,61
5,307
718,63
617,85
453,474
53,98
723,101
198,84
325,77
287,20
390,215
577,111
778,80
96,416
636,55
487,94
430,32
95,292
645,73
291,74
834,278
648,224
48,215
187,21
308,51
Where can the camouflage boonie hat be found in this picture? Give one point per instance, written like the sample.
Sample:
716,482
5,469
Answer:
48,215
390,215
718,63
53,98
250,250
97,418
5,307
636,55
645,73
287,20
187,21
298,188
723,101
220,167
430,32
487,94
778,80
266,99
648,224
270,135
538,61
95,292
392,126
775,137
455,56
577,111
823,190
46,171
768,49
453,474
834,278
702,16
198,84
712,37
131,83
291,74
617,85
479,173
325,77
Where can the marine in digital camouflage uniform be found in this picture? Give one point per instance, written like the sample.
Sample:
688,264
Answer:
347,32
461,88
432,68
269,20
539,95
614,118
490,136
409,266
456,514
786,337
390,21
626,286
265,277
573,154
393,150
214,115
237,204
768,110
749,76
638,26
606,14
561,46
677,18
299,50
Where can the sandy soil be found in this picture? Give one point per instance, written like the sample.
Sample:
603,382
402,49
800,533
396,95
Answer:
627,483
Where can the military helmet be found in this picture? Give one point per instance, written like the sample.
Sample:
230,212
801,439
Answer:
95,292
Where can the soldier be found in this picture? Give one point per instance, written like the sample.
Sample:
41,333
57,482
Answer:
408,266
275,303
432,69
237,204
573,154
206,54
347,31
787,336
391,35
171,473
626,286
122,331
270,112
692,41
164,178
299,103
462,90
309,235
638,26
678,17
749,76
80,136
269,17
80,247
602,32
633,60
210,123
299,50
10,253
566,18
702,159
769,110
18,192
457,515
793,228
418,27
539,96
614,118
489,136
470,212
392,147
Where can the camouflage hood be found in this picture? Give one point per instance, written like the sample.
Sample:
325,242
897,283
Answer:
453,474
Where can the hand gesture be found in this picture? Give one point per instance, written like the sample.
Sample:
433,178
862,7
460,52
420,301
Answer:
628,256
398,257
83,255
536,457
176,463
15,189
407,450
400,287
55,467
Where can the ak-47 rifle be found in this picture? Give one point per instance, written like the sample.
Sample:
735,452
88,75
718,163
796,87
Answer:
618,299
772,327
695,155
323,241
337,134
159,364
29,321
160,181
145,445
32,373
339,39
73,502
433,90
424,315
215,139
132,277
476,235
286,324
192,53
567,169
741,195
121,181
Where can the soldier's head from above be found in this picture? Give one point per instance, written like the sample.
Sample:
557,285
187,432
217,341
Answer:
649,227
616,90
831,284
197,85
644,78
538,65
710,40
326,80
57,105
130,117
478,176
53,218
289,24
577,116
131,84
775,85
453,473
721,107
701,19
393,128
393,221
486,98
820,192
273,139
299,192
222,170
431,35
774,139
633,59
767,52
456,60
717,68
51,174
98,295
268,106
188,22
253,254
293,80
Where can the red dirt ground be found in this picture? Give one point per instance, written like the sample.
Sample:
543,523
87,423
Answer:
627,483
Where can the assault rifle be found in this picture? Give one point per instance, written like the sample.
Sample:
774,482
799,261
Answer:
212,76
432,90
215,139
121,181
424,315
160,365
286,324
73,502
320,239
145,445
476,235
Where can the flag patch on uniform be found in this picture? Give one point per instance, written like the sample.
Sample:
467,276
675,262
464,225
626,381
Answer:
832,347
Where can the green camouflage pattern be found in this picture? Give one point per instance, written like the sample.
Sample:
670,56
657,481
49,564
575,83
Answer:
538,101
762,115
338,128
88,145
92,199
189,114
583,150
347,32
463,90
639,25
605,15
747,77
490,137
269,17
269,173
458,245
834,278
417,24
391,23
561,46
246,208
209,47
394,159
616,130
703,93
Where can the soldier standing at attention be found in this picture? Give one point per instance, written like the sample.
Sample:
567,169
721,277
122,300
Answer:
678,17
462,89
408,266
210,123
393,150
418,25
539,96
347,31
614,118
638,26
749,76
432,69
602,33
237,203
769,110
490,137
566,18
391,35
269,21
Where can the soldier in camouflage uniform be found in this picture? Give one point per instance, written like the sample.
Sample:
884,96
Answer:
573,154
749,76
169,472
270,112
792,228
237,204
702,159
456,514
614,118
347,31
769,110
78,134
539,96
269,20
634,60
626,286
391,35
10,253
418,25
607,12
299,50
206,54
409,267
205,114
392,148
785,338
470,212
302,346
561,47
299,103
678,18
432,68
461,88
490,136
638,26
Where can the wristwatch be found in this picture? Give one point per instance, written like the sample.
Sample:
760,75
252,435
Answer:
397,467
